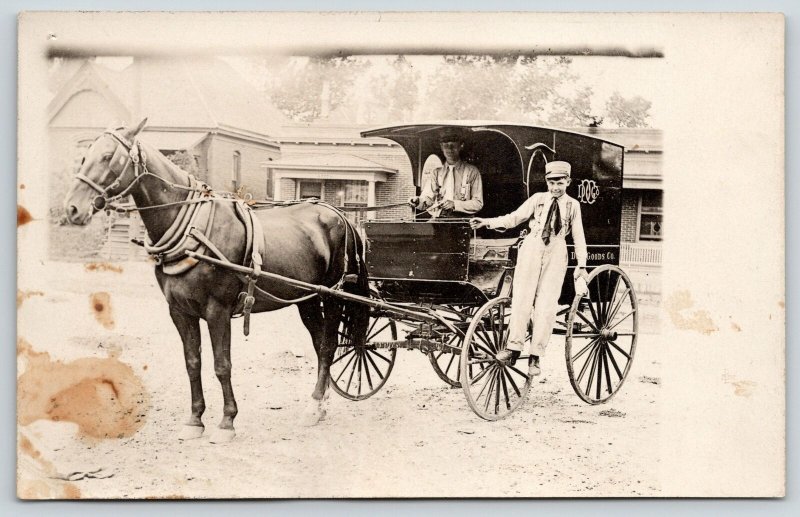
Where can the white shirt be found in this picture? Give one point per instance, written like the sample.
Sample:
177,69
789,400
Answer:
535,210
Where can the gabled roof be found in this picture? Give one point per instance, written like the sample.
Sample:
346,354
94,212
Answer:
188,93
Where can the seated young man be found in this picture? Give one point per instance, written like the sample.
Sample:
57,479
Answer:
455,188
542,261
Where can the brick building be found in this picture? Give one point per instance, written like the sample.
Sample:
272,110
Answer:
200,107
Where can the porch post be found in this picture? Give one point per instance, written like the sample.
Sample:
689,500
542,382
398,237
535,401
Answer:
371,198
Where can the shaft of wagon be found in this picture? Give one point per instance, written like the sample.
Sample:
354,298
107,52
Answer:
321,289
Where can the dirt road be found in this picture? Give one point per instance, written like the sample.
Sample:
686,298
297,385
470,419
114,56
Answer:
417,437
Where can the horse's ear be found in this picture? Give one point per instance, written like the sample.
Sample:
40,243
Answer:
139,128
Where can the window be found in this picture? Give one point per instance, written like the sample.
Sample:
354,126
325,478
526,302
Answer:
309,189
650,216
352,194
237,170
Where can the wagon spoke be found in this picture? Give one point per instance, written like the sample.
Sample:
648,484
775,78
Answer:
480,375
372,362
583,350
618,305
505,388
352,372
621,351
496,389
598,301
491,390
378,354
614,363
608,373
345,367
501,322
486,373
366,371
586,363
581,316
373,334
612,327
513,384
480,333
450,363
596,323
591,371
345,354
512,368
599,371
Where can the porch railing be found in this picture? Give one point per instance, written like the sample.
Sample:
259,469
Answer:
640,254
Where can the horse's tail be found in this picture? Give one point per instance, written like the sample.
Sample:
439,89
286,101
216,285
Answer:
356,315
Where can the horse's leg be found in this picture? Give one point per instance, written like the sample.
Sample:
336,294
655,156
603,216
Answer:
219,326
311,315
189,329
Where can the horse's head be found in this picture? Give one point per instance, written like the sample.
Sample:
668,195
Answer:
107,170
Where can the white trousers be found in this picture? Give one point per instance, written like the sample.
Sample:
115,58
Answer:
538,278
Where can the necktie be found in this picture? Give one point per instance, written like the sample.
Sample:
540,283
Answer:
553,221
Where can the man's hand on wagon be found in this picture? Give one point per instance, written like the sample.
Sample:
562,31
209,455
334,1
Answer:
415,202
477,222
580,272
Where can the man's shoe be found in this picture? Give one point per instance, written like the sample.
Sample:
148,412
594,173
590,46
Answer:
507,356
533,366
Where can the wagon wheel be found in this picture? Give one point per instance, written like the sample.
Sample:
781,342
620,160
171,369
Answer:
358,372
445,362
493,389
601,334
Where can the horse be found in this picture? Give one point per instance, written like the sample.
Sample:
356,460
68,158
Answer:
307,241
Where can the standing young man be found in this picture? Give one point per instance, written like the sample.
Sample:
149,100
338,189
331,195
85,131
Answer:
542,260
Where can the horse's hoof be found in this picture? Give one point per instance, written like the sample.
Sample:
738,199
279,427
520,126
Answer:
220,435
312,418
191,432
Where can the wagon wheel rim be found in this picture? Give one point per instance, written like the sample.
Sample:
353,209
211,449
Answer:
358,372
493,390
601,335
446,363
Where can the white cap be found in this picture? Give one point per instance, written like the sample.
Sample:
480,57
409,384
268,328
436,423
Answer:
557,169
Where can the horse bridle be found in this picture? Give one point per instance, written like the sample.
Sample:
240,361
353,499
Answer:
120,162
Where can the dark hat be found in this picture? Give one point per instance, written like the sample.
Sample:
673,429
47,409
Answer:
451,135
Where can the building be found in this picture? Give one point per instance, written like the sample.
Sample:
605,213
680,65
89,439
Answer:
204,114
200,107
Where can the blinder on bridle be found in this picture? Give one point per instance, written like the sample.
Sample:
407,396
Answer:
125,154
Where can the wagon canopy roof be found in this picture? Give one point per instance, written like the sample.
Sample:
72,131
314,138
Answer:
432,129
421,140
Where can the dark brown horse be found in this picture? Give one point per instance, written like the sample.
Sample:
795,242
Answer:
305,241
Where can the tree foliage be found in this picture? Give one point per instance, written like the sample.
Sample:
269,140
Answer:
307,91
628,112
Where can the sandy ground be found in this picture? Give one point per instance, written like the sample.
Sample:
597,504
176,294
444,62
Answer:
417,437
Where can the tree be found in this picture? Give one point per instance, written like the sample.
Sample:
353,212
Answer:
308,90
185,161
574,111
628,112
536,86
470,87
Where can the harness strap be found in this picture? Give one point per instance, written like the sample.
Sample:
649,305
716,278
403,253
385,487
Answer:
257,233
